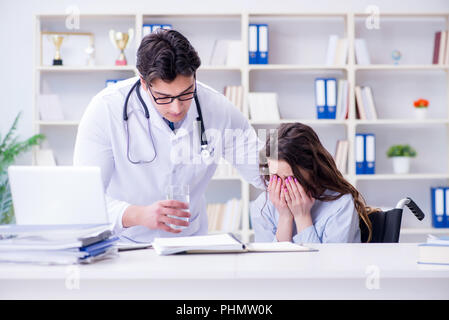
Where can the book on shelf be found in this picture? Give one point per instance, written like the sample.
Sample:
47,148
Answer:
359,103
337,51
224,216
234,53
149,28
221,243
235,95
440,47
341,155
263,106
49,107
365,153
226,53
342,100
434,251
258,43
361,52
365,107
368,103
440,207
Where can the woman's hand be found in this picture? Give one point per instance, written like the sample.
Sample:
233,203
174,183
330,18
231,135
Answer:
299,203
277,196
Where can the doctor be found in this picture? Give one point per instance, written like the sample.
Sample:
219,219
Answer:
163,128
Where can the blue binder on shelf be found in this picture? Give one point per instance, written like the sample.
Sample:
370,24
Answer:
110,82
331,98
262,48
359,153
253,44
446,207
320,97
149,28
439,207
146,29
370,153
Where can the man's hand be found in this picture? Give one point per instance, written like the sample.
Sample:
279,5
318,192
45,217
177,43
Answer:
155,216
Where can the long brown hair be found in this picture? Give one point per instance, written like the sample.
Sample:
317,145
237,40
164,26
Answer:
300,147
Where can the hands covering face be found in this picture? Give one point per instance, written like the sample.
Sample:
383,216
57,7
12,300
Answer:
289,197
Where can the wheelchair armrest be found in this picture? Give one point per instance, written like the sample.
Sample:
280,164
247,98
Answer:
415,209
412,206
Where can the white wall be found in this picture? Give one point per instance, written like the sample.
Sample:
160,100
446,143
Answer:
16,34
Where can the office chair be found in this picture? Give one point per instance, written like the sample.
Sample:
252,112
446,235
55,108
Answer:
387,225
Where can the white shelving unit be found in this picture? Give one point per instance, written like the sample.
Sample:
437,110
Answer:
290,73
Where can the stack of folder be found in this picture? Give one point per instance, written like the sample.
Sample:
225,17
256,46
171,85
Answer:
56,244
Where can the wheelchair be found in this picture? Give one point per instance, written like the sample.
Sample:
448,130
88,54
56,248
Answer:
386,225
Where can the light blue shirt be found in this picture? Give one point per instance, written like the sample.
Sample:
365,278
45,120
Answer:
333,221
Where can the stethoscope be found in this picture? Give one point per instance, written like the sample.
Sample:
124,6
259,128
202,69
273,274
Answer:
206,153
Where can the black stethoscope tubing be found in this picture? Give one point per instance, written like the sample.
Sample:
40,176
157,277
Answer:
136,86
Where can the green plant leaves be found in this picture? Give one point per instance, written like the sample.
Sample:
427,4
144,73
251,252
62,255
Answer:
10,148
401,151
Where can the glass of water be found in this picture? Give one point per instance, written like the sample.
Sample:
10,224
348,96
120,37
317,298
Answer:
179,193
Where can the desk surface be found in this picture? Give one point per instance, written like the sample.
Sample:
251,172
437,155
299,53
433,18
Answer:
338,265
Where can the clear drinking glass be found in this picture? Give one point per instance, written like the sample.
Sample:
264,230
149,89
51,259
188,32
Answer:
179,193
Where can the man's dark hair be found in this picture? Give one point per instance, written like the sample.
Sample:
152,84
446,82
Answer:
165,54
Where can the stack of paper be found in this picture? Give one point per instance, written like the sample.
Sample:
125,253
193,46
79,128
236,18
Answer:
435,251
56,244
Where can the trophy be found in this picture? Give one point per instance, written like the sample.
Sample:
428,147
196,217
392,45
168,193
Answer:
57,41
90,51
121,40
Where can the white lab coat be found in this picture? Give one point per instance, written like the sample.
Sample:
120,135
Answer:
102,141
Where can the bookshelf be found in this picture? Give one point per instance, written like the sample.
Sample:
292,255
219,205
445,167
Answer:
290,73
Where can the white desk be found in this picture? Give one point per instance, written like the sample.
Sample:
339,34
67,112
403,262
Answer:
336,271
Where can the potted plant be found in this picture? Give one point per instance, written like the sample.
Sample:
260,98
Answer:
421,106
10,148
401,155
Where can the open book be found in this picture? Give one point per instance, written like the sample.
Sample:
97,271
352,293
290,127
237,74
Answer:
220,243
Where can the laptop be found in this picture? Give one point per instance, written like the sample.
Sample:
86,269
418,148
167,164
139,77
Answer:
58,196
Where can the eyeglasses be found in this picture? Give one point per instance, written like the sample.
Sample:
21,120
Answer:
167,100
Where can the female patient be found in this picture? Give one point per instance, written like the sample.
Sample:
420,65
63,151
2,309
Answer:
307,198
